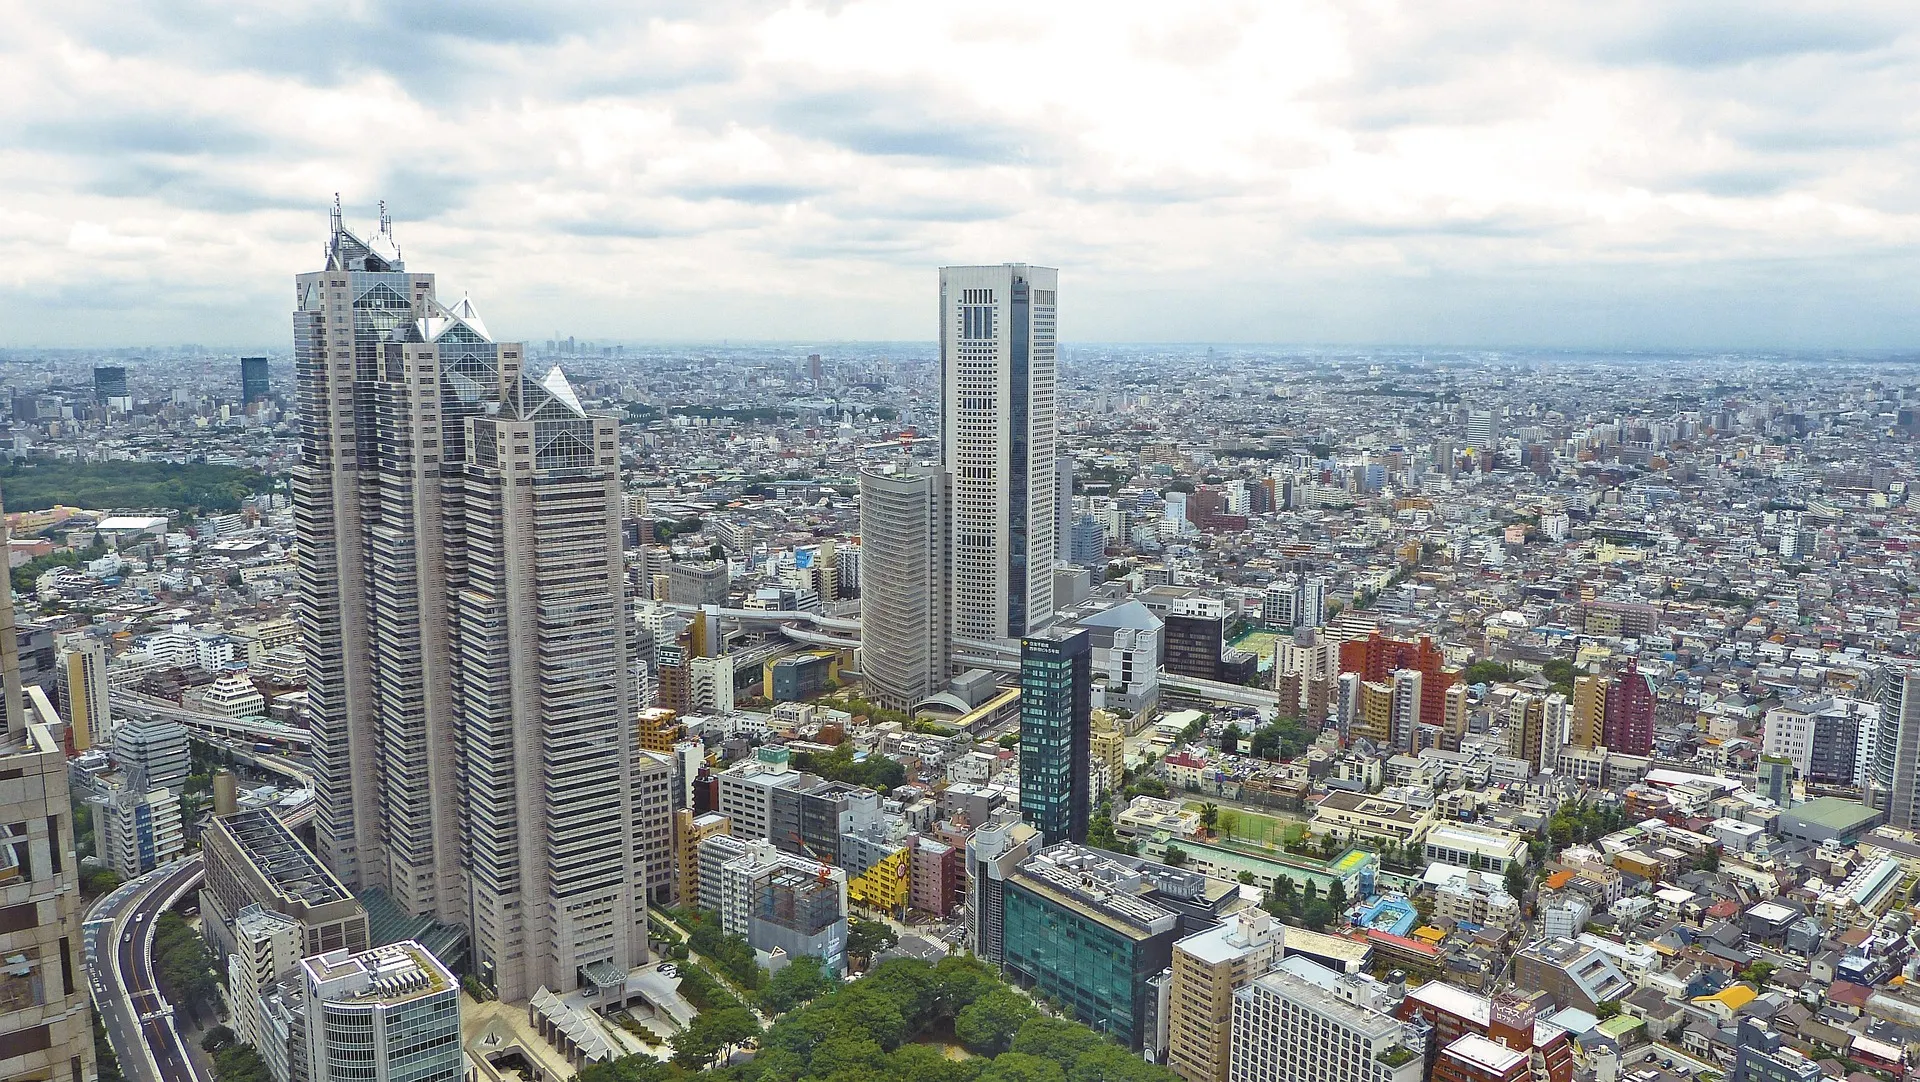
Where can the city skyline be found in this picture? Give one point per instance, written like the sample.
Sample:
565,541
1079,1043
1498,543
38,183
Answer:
1706,176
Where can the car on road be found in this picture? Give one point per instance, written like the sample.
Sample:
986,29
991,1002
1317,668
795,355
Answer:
668,969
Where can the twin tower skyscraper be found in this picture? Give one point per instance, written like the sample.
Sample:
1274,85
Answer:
960,556
463,605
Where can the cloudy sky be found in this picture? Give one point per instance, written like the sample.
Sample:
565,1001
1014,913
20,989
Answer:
1366,171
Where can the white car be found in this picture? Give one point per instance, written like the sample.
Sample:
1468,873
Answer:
668,969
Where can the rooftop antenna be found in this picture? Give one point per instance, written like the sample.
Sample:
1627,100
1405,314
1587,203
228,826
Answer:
335,213
386,223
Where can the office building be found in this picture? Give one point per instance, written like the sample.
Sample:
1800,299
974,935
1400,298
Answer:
255,386
45,1019
1087,543
1208,968
1630,710
1483,431
137,826
83,693
1305,1023
390,1014
994,850
253,859
472,665
156,748
697,582
999,446
905,623
747,788
1056,688
109,384
1527,736
1825,740
689,830
1092,928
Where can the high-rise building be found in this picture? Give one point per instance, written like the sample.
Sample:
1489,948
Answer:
1062,505
137,825
83,692
252,859
1376,657
1896,757
1483,431
1208,968
1056,689
471,660
156,748
109,383
1527,738
905,625
1630,709
45,1021
390,1014
255,386
1587,721
999,445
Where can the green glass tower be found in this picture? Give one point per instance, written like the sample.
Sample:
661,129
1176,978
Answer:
1056,691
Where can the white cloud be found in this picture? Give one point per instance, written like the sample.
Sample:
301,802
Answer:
1295,170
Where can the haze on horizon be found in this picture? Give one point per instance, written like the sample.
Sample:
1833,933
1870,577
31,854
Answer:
1684,175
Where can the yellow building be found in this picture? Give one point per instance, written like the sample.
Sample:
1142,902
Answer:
886,886
689,831
660,730
1208,967
1109,746
1374,719
1589,717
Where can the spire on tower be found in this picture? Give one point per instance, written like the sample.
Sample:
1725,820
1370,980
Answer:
386,223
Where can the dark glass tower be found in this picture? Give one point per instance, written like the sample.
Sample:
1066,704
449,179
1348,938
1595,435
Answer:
1056,702
254,384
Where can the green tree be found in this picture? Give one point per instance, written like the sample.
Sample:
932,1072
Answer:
1231,736
1246,878
988,1025
846,1052
1017,1067
925,1063
1516,879
1110,1063
1056,1039
805,978
865,938
1337,896
1757,974
1176,856
1209,816
1607,1009
713,1034
637,1068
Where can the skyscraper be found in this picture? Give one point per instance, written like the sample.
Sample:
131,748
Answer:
45,1016
1896,760
463,608
254,384
997,431
904,622
109,382
1056,687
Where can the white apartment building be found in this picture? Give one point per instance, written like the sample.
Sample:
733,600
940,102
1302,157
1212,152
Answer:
1305,1023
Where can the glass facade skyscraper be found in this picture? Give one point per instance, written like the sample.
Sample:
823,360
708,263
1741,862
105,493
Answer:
1056,701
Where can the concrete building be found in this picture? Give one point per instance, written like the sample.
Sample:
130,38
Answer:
1571,973
747,788
463,607
1091,929
996,848
1208,968
83,692
390,1014
697,582
1456,1014
157,749
45,1017
905,623
1056,687
1761,1057
775,900
265,946
137,826
253,859
1305,1023
690,829
998,444
1630,709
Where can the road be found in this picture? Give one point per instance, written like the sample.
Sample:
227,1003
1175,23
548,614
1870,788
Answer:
138,1019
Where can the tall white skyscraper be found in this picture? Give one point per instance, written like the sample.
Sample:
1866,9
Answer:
997,430
463,601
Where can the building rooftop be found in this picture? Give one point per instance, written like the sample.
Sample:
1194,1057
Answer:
384,976
1483,1053
289,866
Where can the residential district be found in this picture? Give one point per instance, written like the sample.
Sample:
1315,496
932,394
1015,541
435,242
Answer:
413,704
